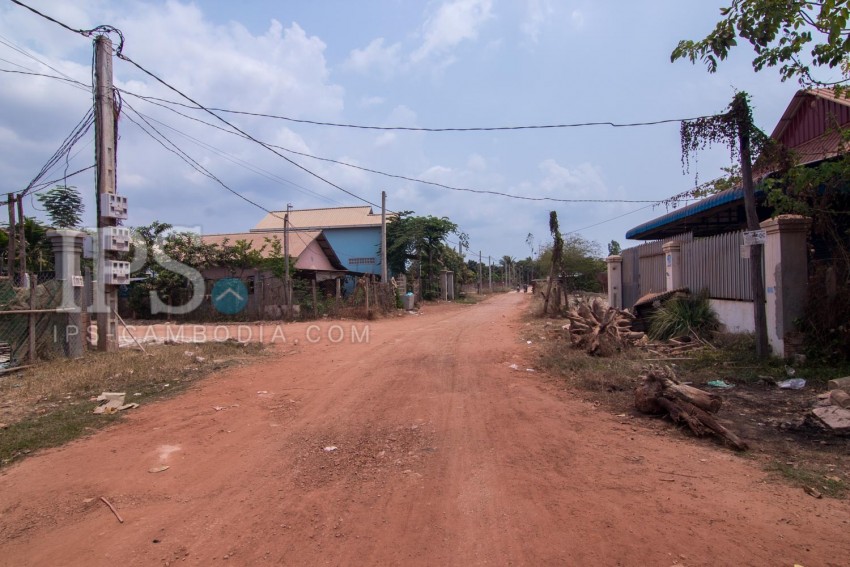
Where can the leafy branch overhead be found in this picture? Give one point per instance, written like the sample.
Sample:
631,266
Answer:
790,34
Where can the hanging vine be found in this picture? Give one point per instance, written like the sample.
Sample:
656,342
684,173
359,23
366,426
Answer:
702,133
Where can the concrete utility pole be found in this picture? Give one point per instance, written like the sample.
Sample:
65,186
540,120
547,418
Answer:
104,125
13,246
286,291
22,244
490,272
384,237
744,127
479,272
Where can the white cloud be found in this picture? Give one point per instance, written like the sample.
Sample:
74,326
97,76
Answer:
402,115
368,101
476,162
385,139
537,13
452,23
285,67
577,18
583,181
377,57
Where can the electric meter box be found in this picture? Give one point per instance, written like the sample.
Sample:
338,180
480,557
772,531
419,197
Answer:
113,205
116,273
115,238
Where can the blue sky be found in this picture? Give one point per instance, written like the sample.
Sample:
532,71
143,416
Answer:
452,63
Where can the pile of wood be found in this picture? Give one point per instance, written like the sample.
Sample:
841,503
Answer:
600,330
660,392
833,411
675,348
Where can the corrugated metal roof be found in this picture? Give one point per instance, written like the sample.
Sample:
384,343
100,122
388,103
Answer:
298,241
706,204
801,97
317,219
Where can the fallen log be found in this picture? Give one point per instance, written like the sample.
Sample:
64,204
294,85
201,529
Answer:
661,393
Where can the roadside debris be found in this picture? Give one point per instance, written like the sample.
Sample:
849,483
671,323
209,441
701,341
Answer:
812,492
114,403
721,384
660,392
159,469
674,348
114,511
792,384
330,449
840,398
839,384
836,419
599,330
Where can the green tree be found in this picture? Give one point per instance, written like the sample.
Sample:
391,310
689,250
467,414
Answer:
237,257
614,248
581,263
419,241
790,34
64,206
39,250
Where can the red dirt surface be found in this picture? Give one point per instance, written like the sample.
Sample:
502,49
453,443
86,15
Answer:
444,456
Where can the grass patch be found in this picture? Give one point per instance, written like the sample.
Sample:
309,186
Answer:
825,482
470,298
50,404
609,379
734,355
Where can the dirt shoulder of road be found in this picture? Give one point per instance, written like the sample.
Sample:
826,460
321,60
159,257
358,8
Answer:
777,423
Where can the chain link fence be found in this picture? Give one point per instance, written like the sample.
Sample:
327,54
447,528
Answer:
29,322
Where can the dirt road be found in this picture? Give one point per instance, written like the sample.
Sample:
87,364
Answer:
444,455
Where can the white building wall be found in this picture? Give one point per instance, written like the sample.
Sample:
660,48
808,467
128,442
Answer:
736,316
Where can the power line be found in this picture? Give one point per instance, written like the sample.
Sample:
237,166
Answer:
242,163
72,82
162,139
12,45
441,129
173,148
236,128
156,101
609,220
42,186
80,130
271,148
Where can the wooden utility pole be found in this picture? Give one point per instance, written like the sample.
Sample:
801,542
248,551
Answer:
384,275
744,127
12,249
105,158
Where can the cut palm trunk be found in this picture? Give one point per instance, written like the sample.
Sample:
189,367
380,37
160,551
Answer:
661,393
600,330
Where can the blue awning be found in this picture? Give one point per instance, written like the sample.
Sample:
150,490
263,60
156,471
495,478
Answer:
666,225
